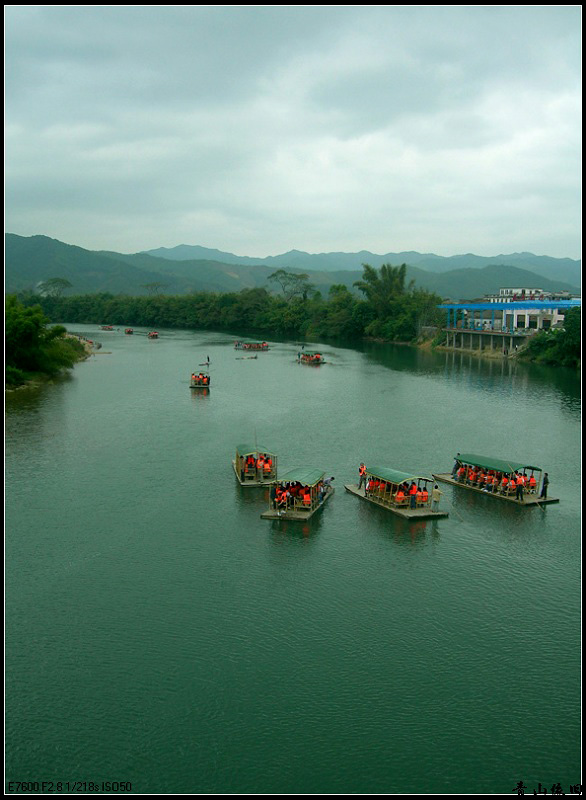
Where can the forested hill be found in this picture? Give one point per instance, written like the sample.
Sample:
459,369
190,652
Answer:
559,269
32,260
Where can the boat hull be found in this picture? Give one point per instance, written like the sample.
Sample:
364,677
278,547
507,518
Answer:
529,500
297,515
423,512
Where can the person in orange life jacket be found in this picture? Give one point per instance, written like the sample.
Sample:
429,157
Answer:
281,496
400,496
424,495
532,483
519,488
413,494
306,495
362,473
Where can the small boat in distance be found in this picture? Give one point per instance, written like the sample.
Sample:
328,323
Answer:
107,327
403,493
200,380
298,494
261,346
152,335
513,481
128,331
254,465
310,358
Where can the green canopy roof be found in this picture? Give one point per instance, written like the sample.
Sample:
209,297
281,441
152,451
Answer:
498,464
308,476
252,449
394,476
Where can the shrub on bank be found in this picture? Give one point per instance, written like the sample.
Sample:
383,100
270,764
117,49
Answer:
32,348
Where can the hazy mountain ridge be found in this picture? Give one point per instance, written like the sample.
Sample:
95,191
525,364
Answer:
29,260
563,269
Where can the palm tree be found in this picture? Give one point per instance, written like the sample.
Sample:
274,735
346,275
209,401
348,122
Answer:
383,287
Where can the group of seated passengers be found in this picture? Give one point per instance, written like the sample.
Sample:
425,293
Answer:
200,379
493,481
251,345
295,494
406,492
262,465
309,356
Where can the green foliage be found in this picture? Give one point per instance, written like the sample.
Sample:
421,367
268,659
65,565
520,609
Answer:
558,346
14,376
298,311
32,347
399,311
292,284
384,287
54,287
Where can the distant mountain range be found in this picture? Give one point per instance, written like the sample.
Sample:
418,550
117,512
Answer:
186,269
558,269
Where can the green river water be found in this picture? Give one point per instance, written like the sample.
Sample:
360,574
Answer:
159,633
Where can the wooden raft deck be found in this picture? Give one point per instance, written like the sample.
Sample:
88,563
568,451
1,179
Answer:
299,515
406,511
265,481
528,499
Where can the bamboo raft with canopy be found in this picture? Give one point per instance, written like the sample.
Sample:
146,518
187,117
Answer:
389,489
307,494
200,380
257,346
497,477
254,465
310,358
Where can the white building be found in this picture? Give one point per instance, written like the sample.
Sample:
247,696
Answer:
516,295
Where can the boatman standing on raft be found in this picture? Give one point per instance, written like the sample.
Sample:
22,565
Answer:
362,473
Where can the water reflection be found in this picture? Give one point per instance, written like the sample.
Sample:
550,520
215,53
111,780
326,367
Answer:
252,496
394,528
282,530
197,395
482,373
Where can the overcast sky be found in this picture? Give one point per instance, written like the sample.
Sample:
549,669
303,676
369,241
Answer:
261,129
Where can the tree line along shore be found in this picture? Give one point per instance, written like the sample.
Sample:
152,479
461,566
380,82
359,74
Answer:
386,309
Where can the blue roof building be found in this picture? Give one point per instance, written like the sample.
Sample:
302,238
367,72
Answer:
502,325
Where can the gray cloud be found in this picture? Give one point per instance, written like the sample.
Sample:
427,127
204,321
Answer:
261,129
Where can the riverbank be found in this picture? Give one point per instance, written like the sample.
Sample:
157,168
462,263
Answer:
34,379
